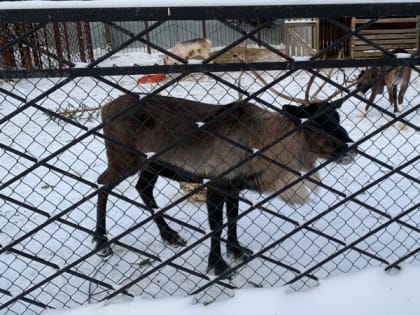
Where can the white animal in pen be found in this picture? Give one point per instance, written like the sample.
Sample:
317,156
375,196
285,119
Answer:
198,47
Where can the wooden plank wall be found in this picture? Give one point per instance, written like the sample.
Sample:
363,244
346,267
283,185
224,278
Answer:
390,33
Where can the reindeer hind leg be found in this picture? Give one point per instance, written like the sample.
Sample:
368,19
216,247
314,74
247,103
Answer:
99,236
145,186
118,170
403,87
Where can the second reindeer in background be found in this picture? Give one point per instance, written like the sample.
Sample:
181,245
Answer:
376,78
198,47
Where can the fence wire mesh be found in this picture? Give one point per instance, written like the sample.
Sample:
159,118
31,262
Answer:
357,215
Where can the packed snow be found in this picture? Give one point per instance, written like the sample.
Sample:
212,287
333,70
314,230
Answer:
369,292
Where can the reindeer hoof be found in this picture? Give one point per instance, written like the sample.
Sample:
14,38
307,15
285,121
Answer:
178,242
221,268
105,252
102,245
172,238
237,251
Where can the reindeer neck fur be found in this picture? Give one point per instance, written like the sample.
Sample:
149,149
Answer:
293,152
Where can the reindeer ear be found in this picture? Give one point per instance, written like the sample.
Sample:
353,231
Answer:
313,108
337,103
303,111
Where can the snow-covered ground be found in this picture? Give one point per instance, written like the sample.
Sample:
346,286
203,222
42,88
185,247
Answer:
37,135
365,293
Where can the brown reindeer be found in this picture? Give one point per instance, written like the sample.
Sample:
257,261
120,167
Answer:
193,141
376,78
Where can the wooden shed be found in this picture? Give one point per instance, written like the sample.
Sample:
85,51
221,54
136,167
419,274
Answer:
389,33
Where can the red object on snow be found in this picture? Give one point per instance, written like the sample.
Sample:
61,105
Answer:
151,78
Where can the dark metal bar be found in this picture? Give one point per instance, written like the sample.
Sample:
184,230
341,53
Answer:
401,259
207,12
26,300
285,266
199,68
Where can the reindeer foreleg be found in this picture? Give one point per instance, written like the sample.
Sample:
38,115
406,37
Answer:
394,98
215,201
232,209
376,88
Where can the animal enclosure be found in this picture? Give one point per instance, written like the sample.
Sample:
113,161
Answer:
344,217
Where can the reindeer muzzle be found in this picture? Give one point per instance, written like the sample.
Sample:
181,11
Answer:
348,156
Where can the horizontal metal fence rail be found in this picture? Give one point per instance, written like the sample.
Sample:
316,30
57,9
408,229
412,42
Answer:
52,153
210,12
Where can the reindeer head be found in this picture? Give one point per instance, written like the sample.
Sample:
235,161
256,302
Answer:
369,78
325,136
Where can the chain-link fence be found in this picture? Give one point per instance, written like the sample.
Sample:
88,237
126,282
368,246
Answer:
167,182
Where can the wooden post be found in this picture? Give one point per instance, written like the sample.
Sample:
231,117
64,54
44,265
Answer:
418,33
80,42
203,25
146,26
88,38
58,43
